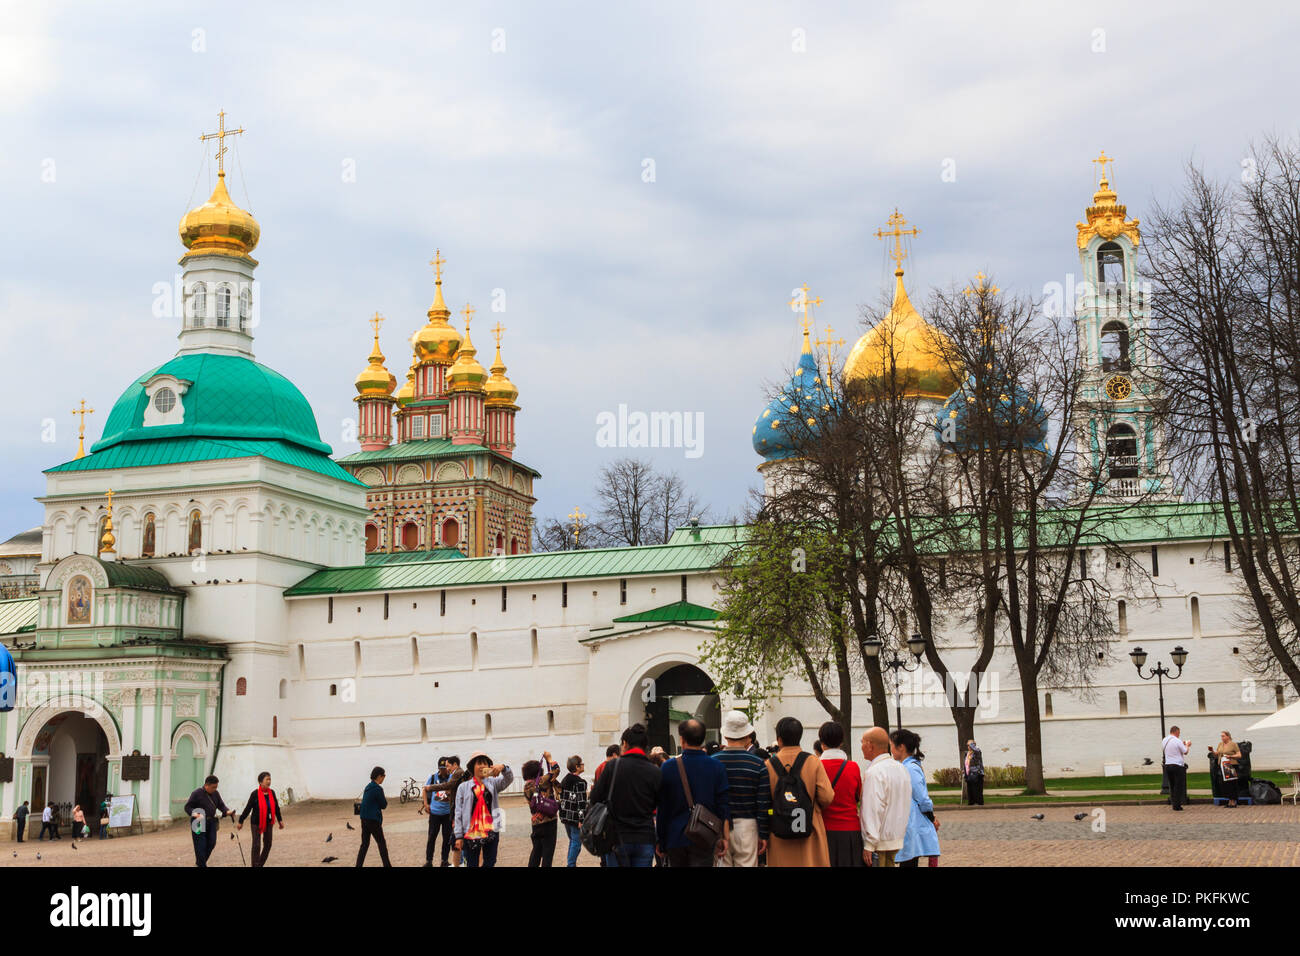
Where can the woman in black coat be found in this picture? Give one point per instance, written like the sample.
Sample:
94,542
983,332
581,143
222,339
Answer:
265,808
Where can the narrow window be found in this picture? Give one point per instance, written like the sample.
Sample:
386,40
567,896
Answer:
302,660
245,308
275,726
622,590
424,730
361,727
1278,697
1123,617
1123,702
329,604
223,306
241,687
683,587
1155,561
415,655
334,690
550,721
564,594
473,650
284,689
356,655
1047,704
442,603
1200,699
1083,564
487,726
385,607
1227,556
503,598
1196,617
536,650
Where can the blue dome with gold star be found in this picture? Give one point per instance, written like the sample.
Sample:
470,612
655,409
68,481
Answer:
794,412
1017,419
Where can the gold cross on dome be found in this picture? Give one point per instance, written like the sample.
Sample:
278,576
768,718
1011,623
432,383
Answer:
897,233
468,312
829,343
496,332
801,302
981,288
577,517
109,495
376,321
1101,161
437,262
83,411
220,136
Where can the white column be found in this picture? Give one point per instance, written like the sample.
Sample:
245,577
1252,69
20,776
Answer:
210,725
148,706
165,758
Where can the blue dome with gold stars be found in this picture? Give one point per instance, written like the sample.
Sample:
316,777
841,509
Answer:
1018,420
794,412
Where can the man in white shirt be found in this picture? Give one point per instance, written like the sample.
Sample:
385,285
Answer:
886,799
1175,750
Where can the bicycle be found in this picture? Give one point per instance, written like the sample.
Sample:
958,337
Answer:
411,791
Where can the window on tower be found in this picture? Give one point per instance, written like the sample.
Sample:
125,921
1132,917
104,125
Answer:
1114,347
372,538
1121,451
198,309
245,308
223,307
450,533
1110,264
417,427
410,536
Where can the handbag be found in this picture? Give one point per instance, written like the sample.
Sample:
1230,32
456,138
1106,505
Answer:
598,832
703,826
542,803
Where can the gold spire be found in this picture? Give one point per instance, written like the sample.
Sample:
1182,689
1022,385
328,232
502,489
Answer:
903,342
375,379
830,343
107,543
466,374
897,232
437,341
577,517
801,303
83,411
1107,217
219,227
500,390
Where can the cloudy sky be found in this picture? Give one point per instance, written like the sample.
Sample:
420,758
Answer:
519,138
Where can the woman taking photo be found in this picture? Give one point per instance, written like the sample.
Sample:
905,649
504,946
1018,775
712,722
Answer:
922,837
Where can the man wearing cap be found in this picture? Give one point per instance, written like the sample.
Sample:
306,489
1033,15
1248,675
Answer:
749,796
477,826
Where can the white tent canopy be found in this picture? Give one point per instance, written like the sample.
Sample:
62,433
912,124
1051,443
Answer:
1288,716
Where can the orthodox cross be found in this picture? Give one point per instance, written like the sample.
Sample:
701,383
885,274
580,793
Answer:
376,321
829,343
577,517
220,136
437,262
1101,161
897,233
496,331
468,312
109,495
983,290
800,303
83,411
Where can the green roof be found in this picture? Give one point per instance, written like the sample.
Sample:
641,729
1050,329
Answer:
514,569
427,448
412,557
677,611
171,451
229,396
18,615
138,576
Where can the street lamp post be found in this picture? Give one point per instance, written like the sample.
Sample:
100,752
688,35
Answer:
916,644
1160,672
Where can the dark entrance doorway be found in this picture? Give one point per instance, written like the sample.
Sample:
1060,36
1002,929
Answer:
678,693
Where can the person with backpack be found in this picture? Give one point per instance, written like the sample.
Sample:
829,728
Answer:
439,794
843,829
800,791
542,791
922,837
573,806
477,828
623,803
693,812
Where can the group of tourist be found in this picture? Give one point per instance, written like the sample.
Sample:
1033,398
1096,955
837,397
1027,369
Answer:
737,804
1225,759
206,808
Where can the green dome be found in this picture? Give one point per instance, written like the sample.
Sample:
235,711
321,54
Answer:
230,397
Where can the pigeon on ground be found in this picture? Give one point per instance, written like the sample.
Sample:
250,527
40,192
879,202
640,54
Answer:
38,856
74,845
328,838
348,825
329,859
1037,816
1080,816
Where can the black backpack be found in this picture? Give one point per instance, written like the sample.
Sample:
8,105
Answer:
792,806
598,832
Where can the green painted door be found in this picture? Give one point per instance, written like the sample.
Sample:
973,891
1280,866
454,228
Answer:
185,774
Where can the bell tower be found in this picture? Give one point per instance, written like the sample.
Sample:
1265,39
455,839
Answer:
1122,393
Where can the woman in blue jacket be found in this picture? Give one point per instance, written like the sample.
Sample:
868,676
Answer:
373,803
922,837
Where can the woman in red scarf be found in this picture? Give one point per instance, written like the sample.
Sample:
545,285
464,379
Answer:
265,808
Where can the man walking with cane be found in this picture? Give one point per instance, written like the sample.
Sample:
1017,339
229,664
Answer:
206,808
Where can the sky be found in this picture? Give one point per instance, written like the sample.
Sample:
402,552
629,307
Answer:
633,190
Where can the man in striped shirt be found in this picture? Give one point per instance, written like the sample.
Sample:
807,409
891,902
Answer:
749,793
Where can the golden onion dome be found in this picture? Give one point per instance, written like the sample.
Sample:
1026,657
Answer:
466,374
500,390
375,379
219,227
407,391
438,341
903,340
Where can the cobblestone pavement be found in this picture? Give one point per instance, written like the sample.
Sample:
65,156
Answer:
1202,835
